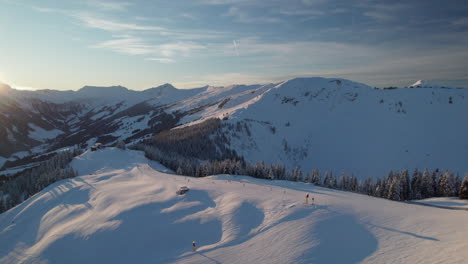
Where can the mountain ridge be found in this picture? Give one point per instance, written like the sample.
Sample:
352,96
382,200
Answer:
290,122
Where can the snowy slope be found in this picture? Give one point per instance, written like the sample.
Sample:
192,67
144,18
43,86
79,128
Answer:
330,124
340,125
449,202
122,210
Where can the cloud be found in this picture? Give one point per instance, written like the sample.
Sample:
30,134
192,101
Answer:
139,39
162,60
313,2
226,78
188,16
384,12
379,16
108,5
224,2
109,25
302,12
127,45
244,17
460,21
46,9
130,45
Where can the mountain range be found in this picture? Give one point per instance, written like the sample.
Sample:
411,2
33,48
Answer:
327,123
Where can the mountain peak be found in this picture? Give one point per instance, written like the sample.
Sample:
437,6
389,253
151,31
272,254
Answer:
103,92
165,87
421,83
5,89
162,89
88,88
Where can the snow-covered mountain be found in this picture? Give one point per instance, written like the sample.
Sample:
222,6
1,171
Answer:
124,209
331,124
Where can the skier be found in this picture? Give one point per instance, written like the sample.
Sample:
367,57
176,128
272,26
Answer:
307,199
194,246
313,201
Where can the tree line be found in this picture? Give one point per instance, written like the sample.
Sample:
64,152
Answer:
203,149
397,185
17,189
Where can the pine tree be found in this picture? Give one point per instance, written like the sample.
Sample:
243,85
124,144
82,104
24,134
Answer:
463,193
353,184
367,186
333,182
315,177
416,185
457,183
394,191
326,180
344,184
379,189
446,185
427,189
405,181
435,179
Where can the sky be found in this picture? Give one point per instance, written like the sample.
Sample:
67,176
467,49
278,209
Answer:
65,45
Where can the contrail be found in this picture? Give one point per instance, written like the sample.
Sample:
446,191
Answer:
235,47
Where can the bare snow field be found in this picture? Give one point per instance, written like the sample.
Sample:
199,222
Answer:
124,209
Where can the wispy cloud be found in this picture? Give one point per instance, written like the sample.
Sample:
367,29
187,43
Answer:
363,41
383,12
161,60
302,12
244,17
126,45
224,2
226,78
188,16
137,46
109,25
109,5
379,16
460,21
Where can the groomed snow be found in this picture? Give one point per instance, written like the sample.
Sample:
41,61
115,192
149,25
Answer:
123,210
451,202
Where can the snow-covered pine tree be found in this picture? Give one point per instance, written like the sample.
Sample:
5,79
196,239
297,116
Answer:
367,186
457,183
427,189
344,183
353,184
463,193
446,185
405,181
394,191
326,180
416,185
333,181
296,174
316,177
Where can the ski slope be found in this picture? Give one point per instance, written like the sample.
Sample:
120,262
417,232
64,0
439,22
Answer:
124,209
